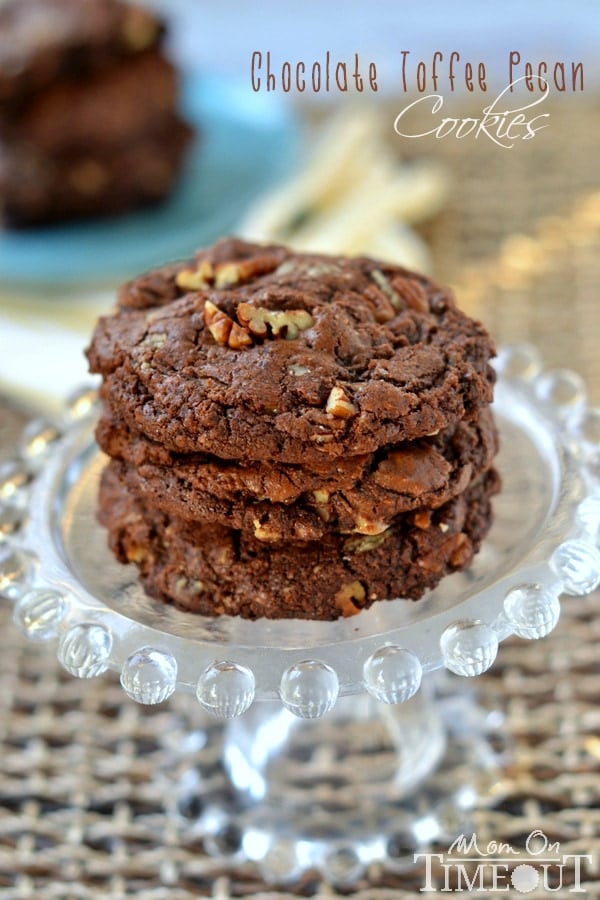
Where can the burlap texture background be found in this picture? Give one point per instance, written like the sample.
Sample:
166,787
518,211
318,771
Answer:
82,811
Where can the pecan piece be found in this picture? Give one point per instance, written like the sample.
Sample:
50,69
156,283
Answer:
224,329
413,294
321,498
422,519
196,279
139,30
349,597
367,543
262,323
382,282
239,337
230,273
340,405
364,525
265,532
462,551
382,308
218,323
322,438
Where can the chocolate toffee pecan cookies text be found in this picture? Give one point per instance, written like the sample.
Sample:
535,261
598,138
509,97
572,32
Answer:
293,435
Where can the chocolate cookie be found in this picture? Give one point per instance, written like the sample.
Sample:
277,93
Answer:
35,189
88,111
43,40
258,353
215,570
106,110
356,494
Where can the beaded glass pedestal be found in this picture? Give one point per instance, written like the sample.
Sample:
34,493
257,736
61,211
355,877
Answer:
397,746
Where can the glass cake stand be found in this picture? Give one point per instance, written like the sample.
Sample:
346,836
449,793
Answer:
337,752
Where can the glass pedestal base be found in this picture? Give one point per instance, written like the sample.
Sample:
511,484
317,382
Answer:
367,784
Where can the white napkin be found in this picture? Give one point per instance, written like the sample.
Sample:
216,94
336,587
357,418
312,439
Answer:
41,348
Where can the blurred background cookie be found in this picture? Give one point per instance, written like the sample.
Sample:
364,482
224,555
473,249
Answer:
88,110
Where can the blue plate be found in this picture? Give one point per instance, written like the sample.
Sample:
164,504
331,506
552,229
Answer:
247,143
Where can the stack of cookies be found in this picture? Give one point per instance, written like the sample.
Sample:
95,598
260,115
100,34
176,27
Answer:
88,119
292,435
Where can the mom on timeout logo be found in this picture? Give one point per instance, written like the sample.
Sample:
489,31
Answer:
498,868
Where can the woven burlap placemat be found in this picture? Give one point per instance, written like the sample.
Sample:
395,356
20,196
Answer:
83,805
